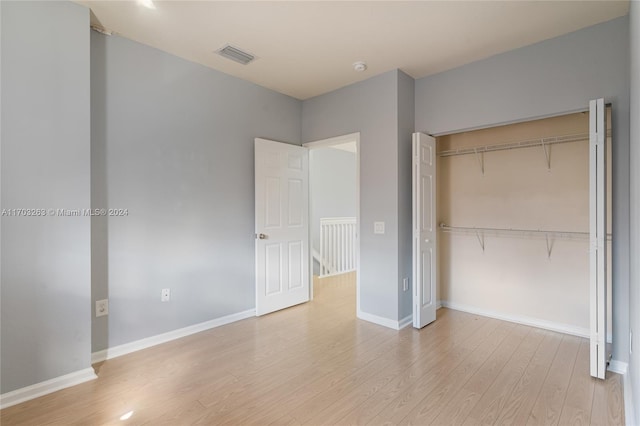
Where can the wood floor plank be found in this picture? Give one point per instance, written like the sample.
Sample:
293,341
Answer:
489,407
439,351
312,373
548,406
608,402
334,412
286,420
432,403
579,402
317,364
458,408
523,396
400,407
439,334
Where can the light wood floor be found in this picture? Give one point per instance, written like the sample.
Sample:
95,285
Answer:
317,364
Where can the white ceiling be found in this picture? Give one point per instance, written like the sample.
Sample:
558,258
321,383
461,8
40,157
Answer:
306,48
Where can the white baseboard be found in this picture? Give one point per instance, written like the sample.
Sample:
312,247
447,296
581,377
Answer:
148,342
622,368
406,321
629,409
520,319
619,367
49,386
385,322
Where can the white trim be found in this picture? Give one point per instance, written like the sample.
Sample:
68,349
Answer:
338,245
438,304
348,147
408,320
148,342
622,368
520,319
337,140
48,386
629,409
506,123
619,367
385,322
316,256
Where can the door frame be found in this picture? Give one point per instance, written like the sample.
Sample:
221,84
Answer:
324,143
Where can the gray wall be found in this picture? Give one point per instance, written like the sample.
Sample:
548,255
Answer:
174,145
45,279
634,300
332,179
371,108
549,78
406,127
368,107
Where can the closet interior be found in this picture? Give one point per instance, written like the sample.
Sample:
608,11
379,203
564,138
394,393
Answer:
513,215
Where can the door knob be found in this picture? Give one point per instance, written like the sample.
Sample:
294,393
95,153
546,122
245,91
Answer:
262,236
426,241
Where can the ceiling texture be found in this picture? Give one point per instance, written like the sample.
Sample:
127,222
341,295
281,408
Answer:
307,48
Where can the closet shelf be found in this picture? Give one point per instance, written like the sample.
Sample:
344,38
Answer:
543,142
549,236
517,232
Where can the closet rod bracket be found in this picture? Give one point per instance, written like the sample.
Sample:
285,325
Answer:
480,158
480,238
549,246
546,148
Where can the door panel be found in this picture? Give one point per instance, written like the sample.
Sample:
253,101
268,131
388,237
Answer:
295,202
598,237
427,255
272,265
295,263
424,230
427,199
282,228
272,199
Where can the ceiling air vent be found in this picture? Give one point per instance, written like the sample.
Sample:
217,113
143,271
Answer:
235,54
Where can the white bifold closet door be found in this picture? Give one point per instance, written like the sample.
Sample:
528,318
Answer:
425,256
598,237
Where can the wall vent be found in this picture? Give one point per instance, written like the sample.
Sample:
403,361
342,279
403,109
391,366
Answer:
235,54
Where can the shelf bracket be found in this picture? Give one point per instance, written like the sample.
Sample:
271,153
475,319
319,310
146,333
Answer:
480,240
547,153
480,158
549,246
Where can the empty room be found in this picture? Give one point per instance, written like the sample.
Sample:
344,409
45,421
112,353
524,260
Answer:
319,212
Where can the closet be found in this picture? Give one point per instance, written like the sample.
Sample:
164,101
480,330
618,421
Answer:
513,217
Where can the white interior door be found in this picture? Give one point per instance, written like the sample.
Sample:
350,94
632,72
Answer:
282,225
598,236
425,259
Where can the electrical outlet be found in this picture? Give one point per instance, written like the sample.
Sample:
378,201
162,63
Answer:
405,284
102,307
165,296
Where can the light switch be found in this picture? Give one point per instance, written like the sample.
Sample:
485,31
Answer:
378,227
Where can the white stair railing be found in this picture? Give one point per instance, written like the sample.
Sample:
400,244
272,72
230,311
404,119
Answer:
337,245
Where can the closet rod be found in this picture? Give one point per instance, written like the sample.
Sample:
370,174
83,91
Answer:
520,232
551,140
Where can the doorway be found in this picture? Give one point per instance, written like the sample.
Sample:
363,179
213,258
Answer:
334,212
